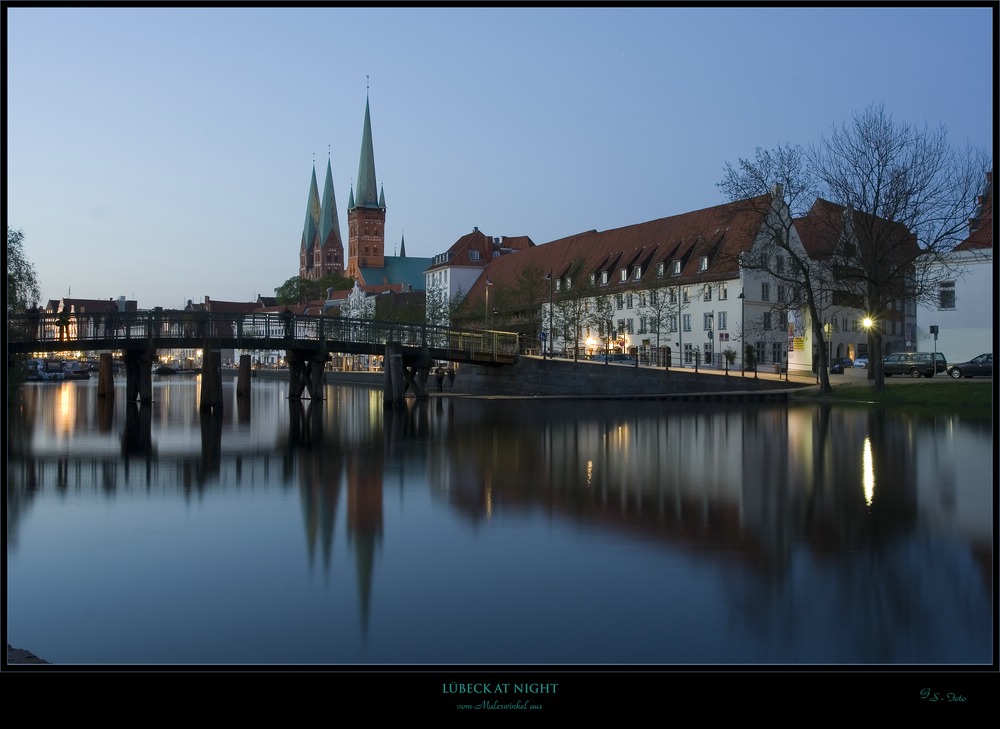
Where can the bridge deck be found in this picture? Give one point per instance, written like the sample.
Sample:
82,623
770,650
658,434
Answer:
172,329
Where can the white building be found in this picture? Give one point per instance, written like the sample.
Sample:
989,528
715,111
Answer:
964,307
452,273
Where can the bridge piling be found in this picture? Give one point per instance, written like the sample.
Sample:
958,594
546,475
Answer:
211,380
106,378
139,375
395,376
243,378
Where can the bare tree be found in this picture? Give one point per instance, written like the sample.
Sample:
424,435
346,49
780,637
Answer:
893,200
663,306
905,196
778,186
571,305
601,313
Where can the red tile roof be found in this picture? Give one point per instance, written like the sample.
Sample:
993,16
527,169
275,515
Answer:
476,249
820,229
720,233
981,224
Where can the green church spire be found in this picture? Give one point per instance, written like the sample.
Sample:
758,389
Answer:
311,225
329,220
367,196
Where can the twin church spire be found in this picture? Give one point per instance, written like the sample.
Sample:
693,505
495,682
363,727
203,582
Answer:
322,249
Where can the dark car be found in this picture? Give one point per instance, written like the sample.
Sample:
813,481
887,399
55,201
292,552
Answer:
914,364
623,359
844,362
981,366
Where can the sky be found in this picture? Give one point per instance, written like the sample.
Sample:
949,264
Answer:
165,153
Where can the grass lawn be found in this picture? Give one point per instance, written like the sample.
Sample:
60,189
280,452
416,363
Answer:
939,394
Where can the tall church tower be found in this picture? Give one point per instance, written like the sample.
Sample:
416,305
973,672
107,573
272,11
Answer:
366,212
310,230
322,249
329,254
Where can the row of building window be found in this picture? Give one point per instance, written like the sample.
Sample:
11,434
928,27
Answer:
636,274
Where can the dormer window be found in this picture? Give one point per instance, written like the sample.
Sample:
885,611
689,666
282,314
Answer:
637,272
593,279
660,269
558,284
474,255
569,282
676,268
604,277
624,275
703,264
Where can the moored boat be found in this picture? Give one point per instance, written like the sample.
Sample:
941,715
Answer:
75,371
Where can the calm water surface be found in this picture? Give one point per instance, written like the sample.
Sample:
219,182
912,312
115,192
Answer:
467,531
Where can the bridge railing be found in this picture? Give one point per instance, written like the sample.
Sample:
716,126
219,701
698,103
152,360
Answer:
270,330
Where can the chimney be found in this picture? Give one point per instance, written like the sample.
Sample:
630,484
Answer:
778,189
475,228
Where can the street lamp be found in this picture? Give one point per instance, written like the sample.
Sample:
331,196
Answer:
711,343
743,331
611,336
486,314
551,327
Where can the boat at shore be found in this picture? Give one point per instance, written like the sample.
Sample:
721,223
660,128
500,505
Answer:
75,371
56,370
166,369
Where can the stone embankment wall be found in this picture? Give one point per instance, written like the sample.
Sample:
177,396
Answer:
558,377
533,377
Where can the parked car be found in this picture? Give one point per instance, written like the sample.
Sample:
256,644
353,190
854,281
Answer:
914,364
837,368
844,362
614,359
861,361
981,366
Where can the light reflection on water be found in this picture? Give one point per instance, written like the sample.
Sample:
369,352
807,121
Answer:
468,531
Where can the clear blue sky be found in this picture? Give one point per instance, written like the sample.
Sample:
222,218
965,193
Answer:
165,153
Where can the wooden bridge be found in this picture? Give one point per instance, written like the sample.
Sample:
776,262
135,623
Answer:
308,342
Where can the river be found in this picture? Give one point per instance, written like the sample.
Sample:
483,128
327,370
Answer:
470,531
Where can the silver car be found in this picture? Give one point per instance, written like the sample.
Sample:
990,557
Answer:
981,366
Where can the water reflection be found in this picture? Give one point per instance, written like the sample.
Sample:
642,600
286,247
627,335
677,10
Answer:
689,533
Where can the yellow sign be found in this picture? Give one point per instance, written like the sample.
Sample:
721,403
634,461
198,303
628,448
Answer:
800,344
